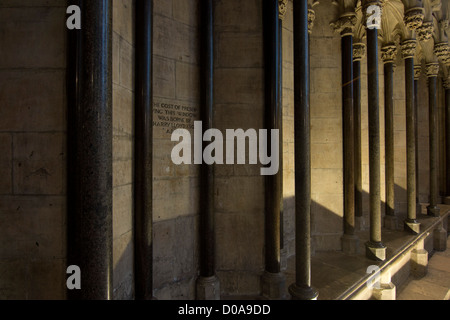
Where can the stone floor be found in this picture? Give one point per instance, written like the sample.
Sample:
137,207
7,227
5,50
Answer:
435,285
333,273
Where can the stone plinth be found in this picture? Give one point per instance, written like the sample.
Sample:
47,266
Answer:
208,288
273,285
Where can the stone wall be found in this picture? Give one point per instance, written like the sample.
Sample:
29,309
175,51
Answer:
239,103
175,188
123,131
33,145
32,149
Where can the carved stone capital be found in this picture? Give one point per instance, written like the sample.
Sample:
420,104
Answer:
414,17
446,83
388,53
359,51
425,31
282,8
408,48
417,72
311,19
345,25
432,69
442,51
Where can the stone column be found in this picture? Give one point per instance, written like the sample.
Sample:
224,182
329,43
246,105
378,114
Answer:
273,281
388,54
417,72
358,54
302,289
345,26
408,51
208,286
432,70
374,247
90,150
143,175
447,137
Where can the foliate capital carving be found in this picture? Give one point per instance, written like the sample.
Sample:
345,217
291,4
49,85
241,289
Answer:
282,8
432,69
345,25
414,17
417,72
442,51
408,48
446,83
359,51
425,31
388,53
311,19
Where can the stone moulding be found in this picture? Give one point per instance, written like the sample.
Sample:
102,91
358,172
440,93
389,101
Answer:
345,25
388,53
442,51
432,69
282,8
425,31
408,48
417,72
311,19
359,51
414,17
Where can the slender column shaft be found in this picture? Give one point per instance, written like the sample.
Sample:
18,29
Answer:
207,227
416,129
374,135
348,134
143,152
447,139
433,209
389,136
357,139
90,147
301,289
273,119
410,141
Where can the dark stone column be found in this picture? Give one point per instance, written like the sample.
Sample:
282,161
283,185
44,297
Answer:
432,71
90,151
388,54
374,247
408,51
143,175
447,137
208,286
301,289
273,281
358,54
417,71
345,25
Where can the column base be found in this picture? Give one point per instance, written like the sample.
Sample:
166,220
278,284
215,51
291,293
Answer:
303,292
412,226
433,211
418,208
360,223
386,291
375,251
350,244
391,222
447,200
273,285
440,239
208,288
419,263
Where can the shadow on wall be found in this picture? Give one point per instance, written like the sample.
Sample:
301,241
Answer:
327,225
